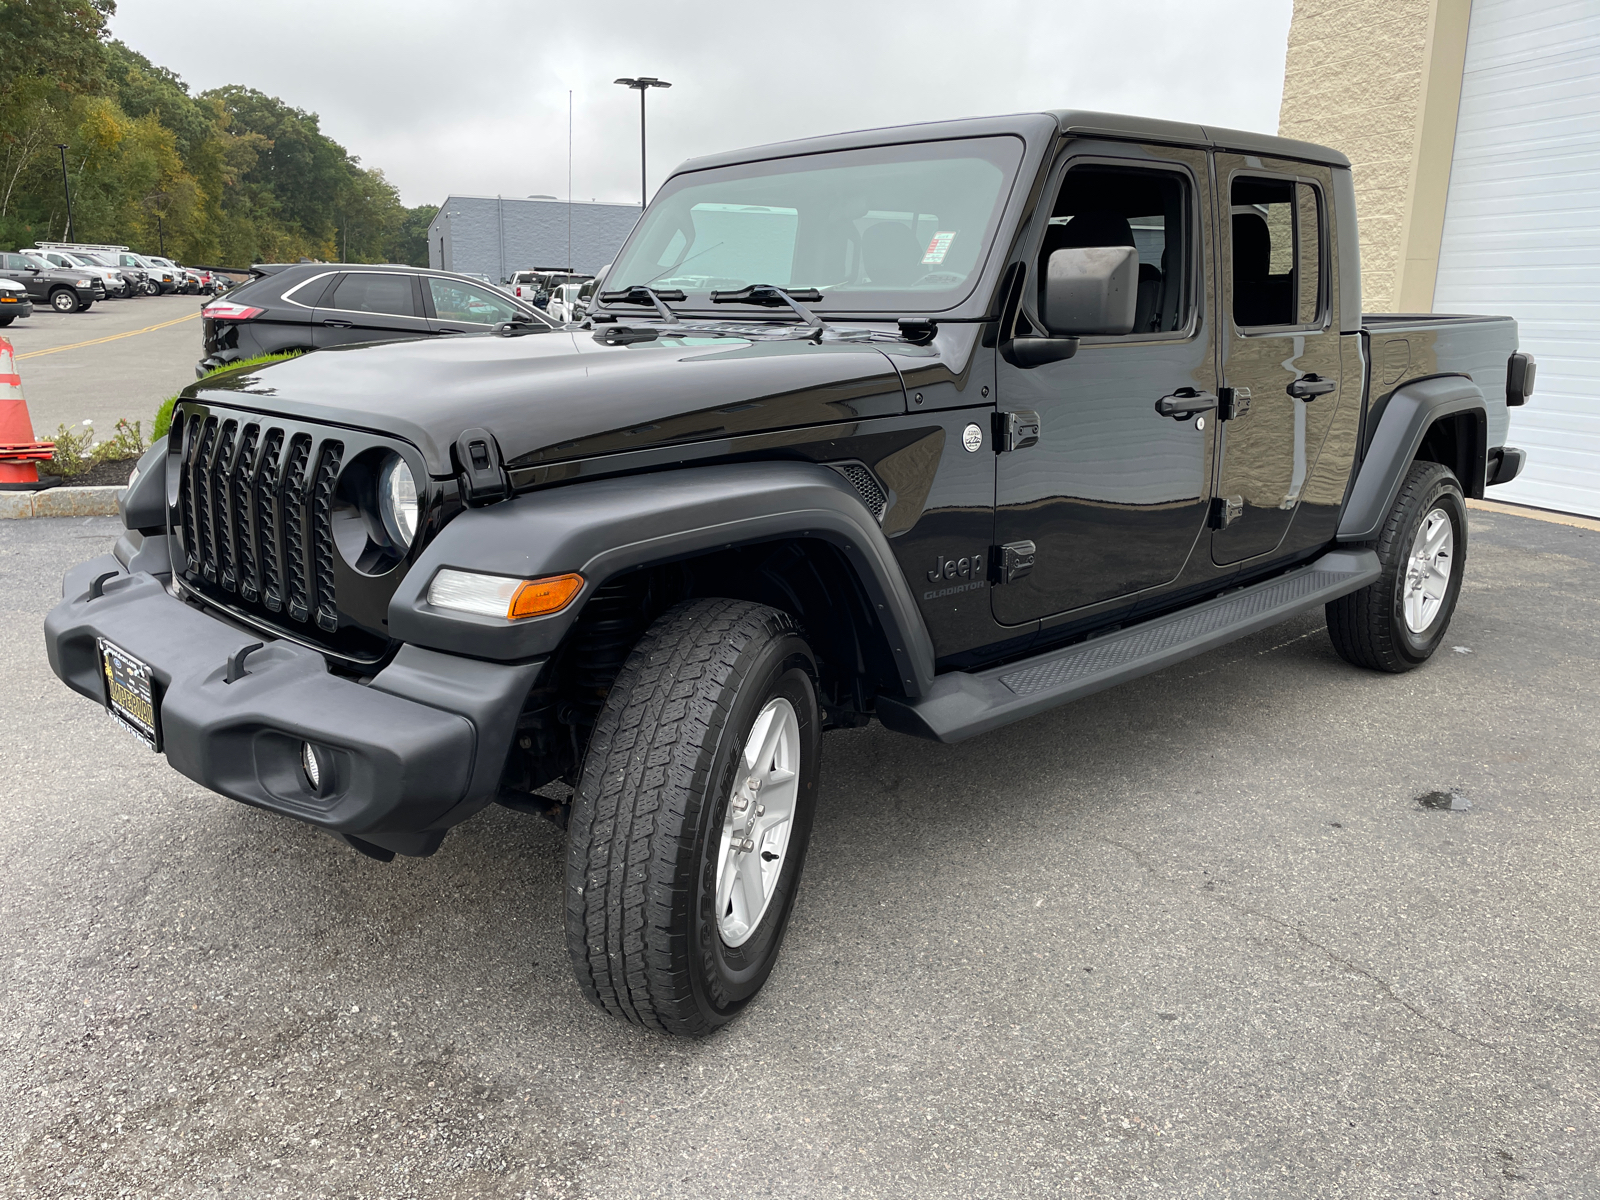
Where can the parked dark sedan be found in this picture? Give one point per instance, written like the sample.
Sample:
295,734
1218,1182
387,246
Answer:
66,291
305,306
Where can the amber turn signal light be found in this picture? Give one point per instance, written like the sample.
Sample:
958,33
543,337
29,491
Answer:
537,597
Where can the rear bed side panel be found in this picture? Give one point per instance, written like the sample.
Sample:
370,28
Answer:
1406,347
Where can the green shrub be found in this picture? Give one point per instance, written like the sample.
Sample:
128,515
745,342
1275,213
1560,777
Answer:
76,451
163,421
73,454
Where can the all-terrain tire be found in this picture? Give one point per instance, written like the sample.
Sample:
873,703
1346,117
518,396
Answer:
1368,628
647,822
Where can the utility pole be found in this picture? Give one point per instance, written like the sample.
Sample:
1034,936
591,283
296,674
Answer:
67,187
160,236
570,181
643,84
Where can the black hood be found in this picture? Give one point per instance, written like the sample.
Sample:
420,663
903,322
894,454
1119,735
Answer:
562,395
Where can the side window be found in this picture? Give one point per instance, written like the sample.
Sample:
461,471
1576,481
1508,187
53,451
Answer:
1277,252
457,301
370,291
1149,210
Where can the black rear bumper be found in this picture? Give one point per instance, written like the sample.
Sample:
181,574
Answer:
415,750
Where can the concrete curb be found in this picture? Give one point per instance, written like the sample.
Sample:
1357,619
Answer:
61,502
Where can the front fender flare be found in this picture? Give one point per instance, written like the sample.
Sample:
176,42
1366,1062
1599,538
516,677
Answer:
603,528
1406,419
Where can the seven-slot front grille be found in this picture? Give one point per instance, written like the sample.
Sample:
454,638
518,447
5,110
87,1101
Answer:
255,511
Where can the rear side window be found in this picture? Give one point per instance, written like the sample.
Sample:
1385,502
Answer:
457,301
1278,254
369,291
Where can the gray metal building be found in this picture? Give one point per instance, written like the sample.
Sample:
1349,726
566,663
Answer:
496,235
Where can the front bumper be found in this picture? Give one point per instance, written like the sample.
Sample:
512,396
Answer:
416,749
22,306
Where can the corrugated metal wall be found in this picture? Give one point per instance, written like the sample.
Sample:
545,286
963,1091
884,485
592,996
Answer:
1522,227
487,235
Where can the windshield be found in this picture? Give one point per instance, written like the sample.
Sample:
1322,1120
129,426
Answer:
890,228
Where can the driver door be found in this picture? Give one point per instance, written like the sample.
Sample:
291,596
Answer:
1114,495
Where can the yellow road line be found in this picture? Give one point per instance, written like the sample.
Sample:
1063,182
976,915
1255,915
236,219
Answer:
1538,514
110,338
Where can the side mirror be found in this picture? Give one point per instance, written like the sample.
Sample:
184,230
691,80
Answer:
1091,289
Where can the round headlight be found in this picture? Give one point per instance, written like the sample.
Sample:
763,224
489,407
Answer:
397,501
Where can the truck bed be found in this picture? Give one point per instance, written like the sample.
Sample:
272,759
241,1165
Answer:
1406,346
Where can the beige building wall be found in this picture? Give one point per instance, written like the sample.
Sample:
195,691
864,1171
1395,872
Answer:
1381,81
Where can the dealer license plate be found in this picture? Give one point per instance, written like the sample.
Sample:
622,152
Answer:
130,692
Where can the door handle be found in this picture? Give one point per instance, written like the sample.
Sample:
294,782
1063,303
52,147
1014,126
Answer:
1309,387
1185,403
449,331
337,324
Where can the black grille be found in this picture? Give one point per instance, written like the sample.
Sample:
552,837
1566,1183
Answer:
257,502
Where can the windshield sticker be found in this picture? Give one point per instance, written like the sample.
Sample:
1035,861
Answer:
938,248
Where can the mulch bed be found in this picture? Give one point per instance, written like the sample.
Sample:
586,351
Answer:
114,473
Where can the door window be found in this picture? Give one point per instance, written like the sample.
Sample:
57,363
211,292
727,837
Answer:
372,292
1148,210
1277,253
457,301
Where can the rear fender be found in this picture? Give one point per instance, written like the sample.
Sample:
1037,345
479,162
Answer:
610,526
1407,419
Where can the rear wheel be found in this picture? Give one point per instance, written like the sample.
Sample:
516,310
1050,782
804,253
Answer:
691,820
1398,622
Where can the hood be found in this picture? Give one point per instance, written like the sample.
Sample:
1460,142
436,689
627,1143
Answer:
561,395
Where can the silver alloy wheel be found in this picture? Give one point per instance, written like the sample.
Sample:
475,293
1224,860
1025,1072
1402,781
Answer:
755,832
1428,570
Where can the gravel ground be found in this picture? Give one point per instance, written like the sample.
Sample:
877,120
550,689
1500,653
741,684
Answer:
1196,937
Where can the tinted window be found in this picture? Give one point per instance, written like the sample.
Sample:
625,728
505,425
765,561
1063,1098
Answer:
1148,210
1277,252
457,301
369,291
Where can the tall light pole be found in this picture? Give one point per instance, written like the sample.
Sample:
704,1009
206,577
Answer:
67,187
642,84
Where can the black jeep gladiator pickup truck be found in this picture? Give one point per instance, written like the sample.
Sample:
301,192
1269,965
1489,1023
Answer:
944,425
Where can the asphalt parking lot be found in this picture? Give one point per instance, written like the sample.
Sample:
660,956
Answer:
1195,937
122,358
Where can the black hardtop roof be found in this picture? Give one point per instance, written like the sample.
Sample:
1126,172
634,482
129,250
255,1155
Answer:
1034,125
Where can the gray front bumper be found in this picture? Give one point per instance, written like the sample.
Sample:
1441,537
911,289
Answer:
417,749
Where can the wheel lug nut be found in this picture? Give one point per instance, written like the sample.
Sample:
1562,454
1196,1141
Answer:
753,784
761,810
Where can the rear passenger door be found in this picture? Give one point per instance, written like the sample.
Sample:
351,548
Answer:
369,306
459,307
1280,350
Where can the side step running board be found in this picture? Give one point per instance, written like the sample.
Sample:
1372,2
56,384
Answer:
962,704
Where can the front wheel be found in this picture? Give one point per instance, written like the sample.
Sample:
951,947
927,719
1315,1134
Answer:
691,819
1398,622
64,300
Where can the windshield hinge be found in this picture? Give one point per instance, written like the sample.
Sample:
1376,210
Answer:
483,478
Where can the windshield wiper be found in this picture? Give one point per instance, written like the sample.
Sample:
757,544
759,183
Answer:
768,296
647,296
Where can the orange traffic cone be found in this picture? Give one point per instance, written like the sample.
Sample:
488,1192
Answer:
19,451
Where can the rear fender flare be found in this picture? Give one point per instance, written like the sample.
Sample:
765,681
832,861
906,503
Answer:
1410,413
603,528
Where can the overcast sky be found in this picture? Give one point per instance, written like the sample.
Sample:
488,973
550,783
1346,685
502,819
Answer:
472,98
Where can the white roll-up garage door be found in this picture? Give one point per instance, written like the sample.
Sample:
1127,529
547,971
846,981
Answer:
1522,227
